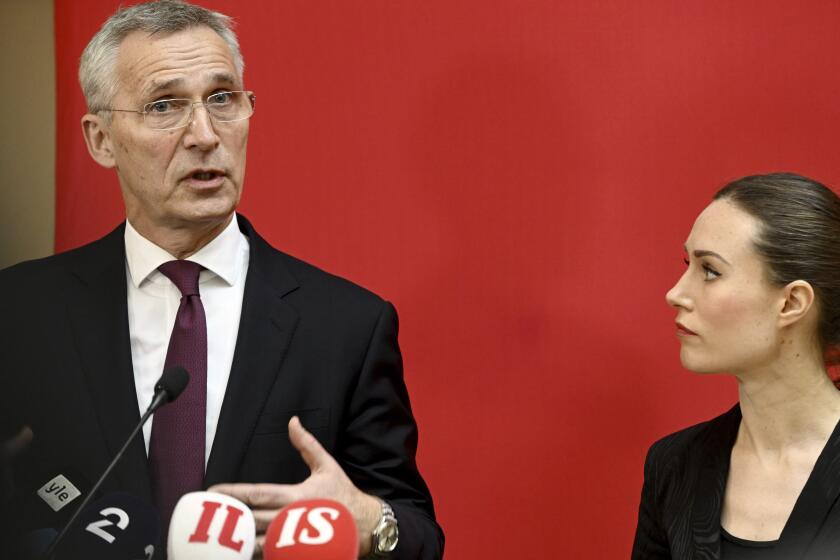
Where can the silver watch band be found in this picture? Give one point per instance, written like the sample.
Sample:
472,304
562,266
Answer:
386,534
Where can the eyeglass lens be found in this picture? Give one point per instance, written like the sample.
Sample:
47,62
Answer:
225,106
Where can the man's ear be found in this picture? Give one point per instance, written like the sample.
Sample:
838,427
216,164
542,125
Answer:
98,140
798,300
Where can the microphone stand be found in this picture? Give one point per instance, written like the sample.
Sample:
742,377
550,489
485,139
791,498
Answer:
159,399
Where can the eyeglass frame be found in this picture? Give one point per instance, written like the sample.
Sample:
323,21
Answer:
249,95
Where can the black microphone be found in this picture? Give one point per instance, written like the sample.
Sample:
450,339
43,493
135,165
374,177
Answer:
41,505
118,526
50,502
34,543
169,386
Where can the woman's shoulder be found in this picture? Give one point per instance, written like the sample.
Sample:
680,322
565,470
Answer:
717,434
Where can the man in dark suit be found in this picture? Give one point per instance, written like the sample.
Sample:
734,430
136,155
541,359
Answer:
278,351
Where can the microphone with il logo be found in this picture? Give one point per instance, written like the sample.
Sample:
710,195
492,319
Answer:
211,525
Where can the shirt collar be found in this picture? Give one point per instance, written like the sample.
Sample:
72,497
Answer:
220,256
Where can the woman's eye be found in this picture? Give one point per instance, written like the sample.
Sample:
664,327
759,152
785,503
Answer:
686,262
710,273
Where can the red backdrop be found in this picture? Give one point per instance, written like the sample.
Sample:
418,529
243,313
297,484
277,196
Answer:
518,176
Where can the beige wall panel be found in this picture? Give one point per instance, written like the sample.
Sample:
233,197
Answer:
27,140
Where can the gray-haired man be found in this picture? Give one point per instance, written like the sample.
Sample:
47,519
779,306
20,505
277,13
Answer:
280,344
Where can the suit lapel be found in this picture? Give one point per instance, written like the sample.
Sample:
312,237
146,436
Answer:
816,500
266,326
711,484
98,315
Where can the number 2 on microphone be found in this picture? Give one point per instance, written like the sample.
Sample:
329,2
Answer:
97,527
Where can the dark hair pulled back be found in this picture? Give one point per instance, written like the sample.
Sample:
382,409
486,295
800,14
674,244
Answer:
799,239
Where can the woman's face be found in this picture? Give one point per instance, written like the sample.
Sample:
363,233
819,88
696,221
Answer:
727,310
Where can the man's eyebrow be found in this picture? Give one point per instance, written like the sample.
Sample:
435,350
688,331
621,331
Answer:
224,77
218,78
700,253
159,86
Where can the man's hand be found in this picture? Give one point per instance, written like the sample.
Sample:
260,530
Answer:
327,480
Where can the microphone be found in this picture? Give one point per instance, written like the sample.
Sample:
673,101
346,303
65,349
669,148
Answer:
170,385
118,526
48,505
211,525
312,530
45,507
167,389
34,543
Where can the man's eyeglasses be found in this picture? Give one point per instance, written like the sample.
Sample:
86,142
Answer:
168,114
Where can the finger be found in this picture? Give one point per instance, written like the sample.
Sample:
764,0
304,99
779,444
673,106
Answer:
314,455
259,496
259,544
263,518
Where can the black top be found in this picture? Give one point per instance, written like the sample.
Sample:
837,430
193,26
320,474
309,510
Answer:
685,480
733,548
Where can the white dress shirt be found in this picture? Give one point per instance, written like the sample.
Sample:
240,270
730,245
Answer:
153,302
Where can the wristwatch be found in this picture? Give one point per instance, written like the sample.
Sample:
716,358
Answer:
386,534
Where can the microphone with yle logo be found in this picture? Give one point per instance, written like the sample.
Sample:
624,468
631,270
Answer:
48,508
170,385
51,507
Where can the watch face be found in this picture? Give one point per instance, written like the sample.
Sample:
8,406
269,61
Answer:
388,538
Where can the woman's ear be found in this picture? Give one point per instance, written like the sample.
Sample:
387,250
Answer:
98,140
798,300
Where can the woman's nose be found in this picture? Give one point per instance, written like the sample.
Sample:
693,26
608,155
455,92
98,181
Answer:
678,296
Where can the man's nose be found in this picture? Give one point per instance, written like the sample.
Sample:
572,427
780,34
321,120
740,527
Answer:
200,131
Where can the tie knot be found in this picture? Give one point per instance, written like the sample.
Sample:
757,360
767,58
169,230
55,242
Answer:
184,274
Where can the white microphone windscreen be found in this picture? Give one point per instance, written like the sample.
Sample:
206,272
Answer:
211,525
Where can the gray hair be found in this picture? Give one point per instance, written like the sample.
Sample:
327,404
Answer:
96,68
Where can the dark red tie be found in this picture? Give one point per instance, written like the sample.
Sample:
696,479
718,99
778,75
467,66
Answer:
176,450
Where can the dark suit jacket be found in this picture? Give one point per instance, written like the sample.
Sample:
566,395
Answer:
685,479
309,344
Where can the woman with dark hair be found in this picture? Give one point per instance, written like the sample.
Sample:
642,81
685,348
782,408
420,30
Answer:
760,299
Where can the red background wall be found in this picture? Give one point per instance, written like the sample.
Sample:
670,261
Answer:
518,176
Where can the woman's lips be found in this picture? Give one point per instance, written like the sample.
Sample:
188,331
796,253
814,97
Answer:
683,331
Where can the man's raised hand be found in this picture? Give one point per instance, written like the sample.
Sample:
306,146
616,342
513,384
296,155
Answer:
326,480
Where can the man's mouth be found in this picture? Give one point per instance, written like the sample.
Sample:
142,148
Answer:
205,174
205,178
